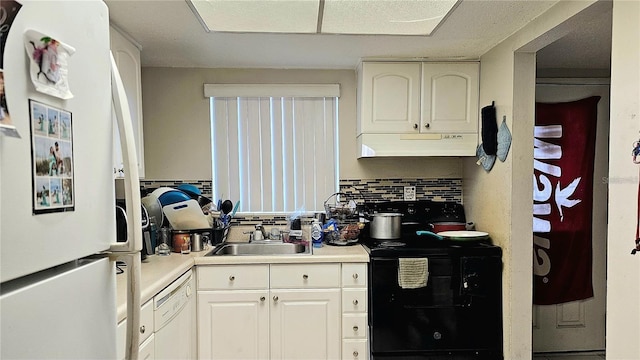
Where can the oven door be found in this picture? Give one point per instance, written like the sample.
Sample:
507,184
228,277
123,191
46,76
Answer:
459,311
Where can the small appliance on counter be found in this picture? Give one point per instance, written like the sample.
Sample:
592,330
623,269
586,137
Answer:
148,238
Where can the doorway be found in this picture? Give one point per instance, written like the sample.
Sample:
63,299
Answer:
579,326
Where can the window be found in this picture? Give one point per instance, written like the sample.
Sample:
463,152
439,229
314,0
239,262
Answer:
275,147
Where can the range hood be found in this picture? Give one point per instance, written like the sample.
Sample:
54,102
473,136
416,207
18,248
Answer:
389,145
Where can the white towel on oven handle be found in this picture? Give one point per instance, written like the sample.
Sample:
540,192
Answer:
413,273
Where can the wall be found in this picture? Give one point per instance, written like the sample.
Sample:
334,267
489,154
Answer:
623,269
177,134
500,201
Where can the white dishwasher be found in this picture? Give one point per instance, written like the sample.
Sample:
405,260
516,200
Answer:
174,319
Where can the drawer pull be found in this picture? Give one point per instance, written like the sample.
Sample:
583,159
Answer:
142,329
231,278
262,298
355,276
355,354
355,302
305,276
275,298
355,328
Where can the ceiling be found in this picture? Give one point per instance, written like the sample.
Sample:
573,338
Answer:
172,36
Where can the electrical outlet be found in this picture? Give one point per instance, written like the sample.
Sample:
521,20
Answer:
409,193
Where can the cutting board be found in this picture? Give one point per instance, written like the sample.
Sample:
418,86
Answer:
185,215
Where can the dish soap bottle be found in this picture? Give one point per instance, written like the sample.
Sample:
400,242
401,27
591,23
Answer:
316,233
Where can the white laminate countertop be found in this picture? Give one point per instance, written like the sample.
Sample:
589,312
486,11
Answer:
160,271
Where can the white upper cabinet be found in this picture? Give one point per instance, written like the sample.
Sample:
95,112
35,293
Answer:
127,57
418,109
390,95
450,97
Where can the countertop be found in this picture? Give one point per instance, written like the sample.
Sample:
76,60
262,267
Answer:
159,271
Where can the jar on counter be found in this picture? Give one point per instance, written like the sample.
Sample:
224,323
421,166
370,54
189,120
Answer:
181,241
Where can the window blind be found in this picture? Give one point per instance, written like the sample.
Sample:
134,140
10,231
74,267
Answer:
275,154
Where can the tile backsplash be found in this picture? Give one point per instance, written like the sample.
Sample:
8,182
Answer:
362,190
376,190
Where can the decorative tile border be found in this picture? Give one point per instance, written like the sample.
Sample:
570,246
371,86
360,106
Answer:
377,190
370,190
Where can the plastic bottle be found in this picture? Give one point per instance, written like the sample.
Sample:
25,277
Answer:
316,233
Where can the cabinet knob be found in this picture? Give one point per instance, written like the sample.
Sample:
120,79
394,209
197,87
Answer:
415,126
142,329
305,276
355,276
427,125
262,298
275,298
355,354
355,328
355,302
231,278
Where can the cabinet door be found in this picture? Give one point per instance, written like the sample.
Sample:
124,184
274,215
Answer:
233,324
305,324
389,98
127,57
450,97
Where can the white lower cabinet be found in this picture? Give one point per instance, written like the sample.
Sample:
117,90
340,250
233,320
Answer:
305,324
355,324
278,311
233,324
355,349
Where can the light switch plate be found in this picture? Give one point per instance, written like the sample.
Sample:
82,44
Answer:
409,193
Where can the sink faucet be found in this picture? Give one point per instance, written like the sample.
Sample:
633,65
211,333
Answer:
260,233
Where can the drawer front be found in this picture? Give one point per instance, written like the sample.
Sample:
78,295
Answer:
353,349
288,276
354,326
147,350
229,277
354,275
146,321
354,300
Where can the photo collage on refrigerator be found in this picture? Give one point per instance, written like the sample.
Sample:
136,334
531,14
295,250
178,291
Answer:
52,158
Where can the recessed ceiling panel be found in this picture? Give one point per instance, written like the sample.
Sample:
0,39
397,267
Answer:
394,17
281,16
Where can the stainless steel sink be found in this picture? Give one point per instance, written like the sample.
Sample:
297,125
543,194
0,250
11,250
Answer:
259,249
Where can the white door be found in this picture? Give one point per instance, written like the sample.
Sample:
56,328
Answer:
233,324
305,324
580,325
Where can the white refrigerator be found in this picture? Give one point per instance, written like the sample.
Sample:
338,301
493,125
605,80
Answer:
57,201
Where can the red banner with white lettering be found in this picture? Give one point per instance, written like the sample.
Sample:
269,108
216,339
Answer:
564,150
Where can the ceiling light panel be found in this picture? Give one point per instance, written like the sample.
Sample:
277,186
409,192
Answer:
271,16
394,17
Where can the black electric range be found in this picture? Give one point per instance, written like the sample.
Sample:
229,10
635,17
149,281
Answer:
456,313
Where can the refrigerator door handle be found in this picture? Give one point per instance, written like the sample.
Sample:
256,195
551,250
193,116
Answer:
129,157
133,303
